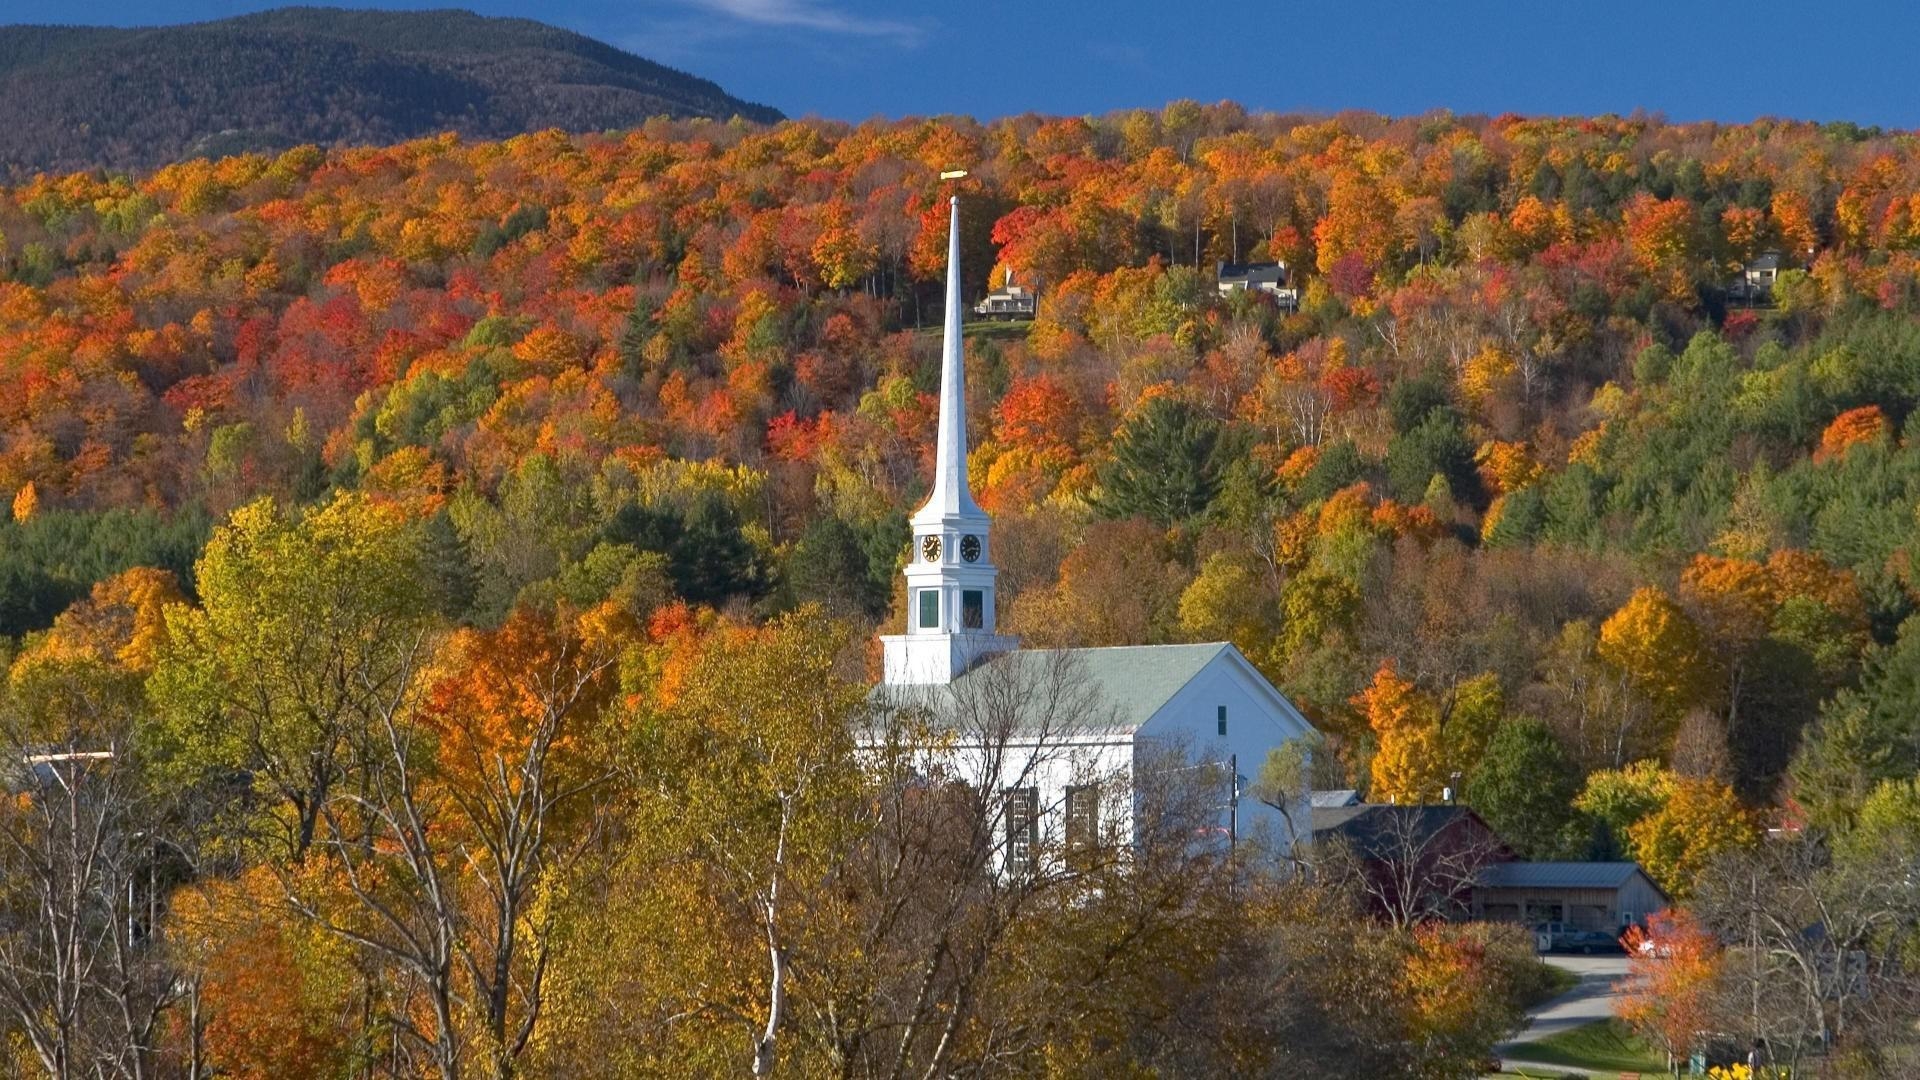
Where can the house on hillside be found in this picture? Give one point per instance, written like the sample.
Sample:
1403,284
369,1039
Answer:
1063,747
1609,896
1009,301
1757,278
1266,277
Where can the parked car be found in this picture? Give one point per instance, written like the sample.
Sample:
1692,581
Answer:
1559,937
1587,942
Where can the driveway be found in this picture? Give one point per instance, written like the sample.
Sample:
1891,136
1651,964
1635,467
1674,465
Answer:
1592,998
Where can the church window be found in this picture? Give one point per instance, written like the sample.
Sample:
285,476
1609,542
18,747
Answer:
929,609
1023,828
1083,818
1222,716
973,609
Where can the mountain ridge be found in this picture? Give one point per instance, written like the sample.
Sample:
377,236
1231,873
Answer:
78,97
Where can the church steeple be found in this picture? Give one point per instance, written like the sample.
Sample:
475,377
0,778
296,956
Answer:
950,573
950,495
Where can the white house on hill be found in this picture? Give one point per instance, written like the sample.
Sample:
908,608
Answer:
1068,741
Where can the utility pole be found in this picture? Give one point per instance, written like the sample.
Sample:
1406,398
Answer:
1753,951
1233,804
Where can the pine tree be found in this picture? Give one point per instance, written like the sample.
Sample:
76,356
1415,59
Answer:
1165,466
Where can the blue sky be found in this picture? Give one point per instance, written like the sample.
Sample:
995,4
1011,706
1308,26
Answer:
1848,60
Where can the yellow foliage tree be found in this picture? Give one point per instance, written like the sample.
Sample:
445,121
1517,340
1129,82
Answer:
1408,766
1735,598
1475,712
1229,602
1506,466
123,620
1659,649
1487,374
26,502
1675,843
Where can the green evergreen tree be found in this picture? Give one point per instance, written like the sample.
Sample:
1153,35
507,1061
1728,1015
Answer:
829,565
709,557
1436,446
1411,401
1522,518
454,582
1165,465
1863,736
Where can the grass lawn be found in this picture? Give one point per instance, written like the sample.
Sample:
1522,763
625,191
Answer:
990,330
1604,1044
1554,981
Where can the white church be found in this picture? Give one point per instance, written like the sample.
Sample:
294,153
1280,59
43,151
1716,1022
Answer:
1065,738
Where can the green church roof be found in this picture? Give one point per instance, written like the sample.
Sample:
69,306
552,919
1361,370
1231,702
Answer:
1064,691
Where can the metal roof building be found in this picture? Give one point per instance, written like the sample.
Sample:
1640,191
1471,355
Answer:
1587,895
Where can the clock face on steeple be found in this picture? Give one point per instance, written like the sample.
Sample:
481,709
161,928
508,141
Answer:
970,548
930,548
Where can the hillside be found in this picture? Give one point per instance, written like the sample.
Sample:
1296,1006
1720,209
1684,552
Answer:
82,97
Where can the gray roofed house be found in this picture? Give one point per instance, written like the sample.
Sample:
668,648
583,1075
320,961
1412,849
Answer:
1586,895
1453,850
1413,861
1330,800
1757,278
1384,830
1266,277
1559,875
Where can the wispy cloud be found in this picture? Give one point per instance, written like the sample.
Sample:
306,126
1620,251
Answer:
812,15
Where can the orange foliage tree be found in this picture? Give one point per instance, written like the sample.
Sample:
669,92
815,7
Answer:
1673,964
1850,429
1664,239
277,996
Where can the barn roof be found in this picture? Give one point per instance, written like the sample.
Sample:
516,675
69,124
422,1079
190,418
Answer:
1560,875
1253,273
1378,827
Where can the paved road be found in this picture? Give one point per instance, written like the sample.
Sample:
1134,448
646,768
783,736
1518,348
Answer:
1592,998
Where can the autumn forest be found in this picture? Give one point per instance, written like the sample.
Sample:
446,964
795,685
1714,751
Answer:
466,559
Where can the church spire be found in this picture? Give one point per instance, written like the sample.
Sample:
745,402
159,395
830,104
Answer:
950,574
950,497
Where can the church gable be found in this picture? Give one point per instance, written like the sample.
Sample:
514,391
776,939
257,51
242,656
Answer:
1227,703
